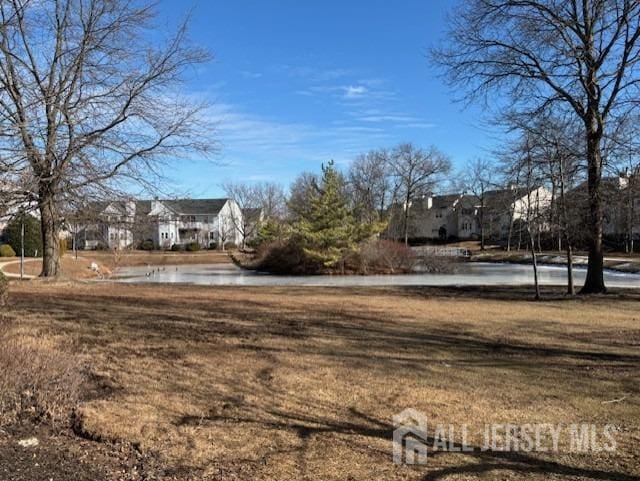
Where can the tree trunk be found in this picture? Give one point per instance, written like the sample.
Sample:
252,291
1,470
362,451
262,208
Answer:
594,282
571,290
510,235
482,223
534,261
406,221
50,239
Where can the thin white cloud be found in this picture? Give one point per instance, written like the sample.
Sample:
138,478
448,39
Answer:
245,136
352,91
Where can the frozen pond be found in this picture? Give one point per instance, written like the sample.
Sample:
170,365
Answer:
470,274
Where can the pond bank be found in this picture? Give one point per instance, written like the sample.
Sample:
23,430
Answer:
629,265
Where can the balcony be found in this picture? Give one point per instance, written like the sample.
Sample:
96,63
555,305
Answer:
184,225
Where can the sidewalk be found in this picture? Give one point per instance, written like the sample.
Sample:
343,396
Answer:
10,275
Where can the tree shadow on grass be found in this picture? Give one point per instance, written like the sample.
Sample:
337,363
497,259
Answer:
167,329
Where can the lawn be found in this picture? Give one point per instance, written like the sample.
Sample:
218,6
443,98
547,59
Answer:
302,383
80,267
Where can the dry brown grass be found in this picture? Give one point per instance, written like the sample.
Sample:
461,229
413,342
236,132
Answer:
159,258
41,375
80,268
286,383
71,267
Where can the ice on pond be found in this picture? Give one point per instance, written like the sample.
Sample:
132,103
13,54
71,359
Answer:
469,274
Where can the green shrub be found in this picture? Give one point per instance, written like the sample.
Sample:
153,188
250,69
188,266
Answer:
4,290
193,247
7,251
176,248
32,235
147,245
213,246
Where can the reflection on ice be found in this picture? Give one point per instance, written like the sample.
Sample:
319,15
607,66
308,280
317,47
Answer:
471,274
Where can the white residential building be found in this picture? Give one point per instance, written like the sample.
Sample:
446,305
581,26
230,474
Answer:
165,223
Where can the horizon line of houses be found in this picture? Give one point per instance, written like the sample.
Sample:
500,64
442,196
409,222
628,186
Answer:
499,213
496,214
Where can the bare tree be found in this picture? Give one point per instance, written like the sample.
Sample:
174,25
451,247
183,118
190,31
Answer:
247,196
271,200
581,55
416,172
300,193
88,102
480,175
371,185
529,215
555,148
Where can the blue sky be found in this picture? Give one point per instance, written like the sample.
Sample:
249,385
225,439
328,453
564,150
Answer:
296,83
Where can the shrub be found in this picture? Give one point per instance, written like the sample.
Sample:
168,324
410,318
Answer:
32,235
7,251
39,380
101,246
286,257
63,246
193,247
176,248
386,255
213,246
147,245
230,245
4,290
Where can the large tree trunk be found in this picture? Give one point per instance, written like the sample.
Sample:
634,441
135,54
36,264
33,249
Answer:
594,282
49,222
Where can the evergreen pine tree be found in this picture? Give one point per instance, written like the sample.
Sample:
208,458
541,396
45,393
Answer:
328,231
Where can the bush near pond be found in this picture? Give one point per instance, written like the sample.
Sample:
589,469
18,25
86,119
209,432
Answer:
193,247
7,251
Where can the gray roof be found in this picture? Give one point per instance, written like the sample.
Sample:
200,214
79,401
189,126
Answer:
195,206
444,201
179,206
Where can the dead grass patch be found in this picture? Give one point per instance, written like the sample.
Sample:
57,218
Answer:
40,376
302,383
